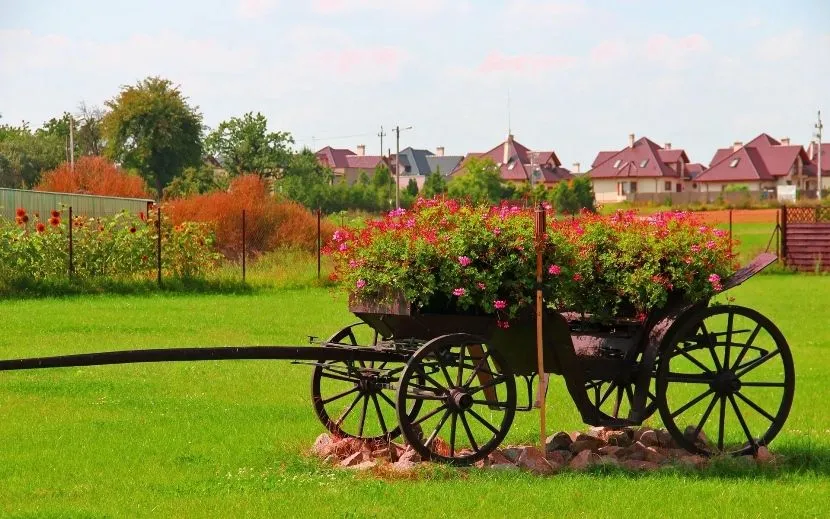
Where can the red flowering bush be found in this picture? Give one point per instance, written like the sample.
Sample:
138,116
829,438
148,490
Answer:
94,176
444,256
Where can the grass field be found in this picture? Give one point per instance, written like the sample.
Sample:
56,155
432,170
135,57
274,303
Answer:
227,439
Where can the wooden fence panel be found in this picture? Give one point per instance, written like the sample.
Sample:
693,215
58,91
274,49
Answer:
806,237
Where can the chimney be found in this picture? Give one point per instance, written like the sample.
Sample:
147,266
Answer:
810,151
576,168
667,146
361,149
439,151
506,150
630,140
785,141
737,145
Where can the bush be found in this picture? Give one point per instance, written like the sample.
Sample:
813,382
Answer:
93,176
270,223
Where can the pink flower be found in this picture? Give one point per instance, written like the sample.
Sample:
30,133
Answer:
554,270
503,324
397,212
702,228
459,292
496,231
500,304
481,286
353,264
714,279
720,233
695,248
687,260
577,277
360,283
339,235
343,247
464,261
710,244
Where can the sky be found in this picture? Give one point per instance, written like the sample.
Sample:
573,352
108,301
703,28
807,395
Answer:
580,76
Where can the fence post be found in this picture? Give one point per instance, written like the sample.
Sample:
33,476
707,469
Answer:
730,232
319,243
778,231
244,246
71,265
158,244
784,234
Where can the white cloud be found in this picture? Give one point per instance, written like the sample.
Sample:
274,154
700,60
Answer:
255,8
786,45
676,53
610,52
544,10
412,7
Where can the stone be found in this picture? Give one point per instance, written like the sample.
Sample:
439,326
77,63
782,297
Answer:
353,460
701,439
764,455
558,457
618,438
597,432
482,464
649,438
676,453
513,453
693,460
497,457
346,447
639,465
331,459
410,455
638,433
403,465
560,440
609,461
364,465
665,439
323,445
648,453
384,453
586,443
609,450
533,460
583,460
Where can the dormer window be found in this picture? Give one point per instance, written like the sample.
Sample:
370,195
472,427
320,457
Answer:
734,162
643,163
617,163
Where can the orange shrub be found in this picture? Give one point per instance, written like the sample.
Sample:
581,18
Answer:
269,223
93,176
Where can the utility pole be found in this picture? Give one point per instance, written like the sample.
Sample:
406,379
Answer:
72,143
381,135
398,165
819,127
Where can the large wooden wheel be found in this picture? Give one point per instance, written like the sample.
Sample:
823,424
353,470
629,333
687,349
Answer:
465,395
356,399
727,373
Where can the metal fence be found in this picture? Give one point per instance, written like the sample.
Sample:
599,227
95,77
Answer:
93,206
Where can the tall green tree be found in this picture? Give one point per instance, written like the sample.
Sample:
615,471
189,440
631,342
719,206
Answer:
480,181
412,188
305,180
246,146
435,184
25,155
151,128
384,186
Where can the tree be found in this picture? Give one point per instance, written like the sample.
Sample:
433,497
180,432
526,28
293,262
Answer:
305,180
384,186
195,181
412,188
94,176
151,128
584,193
435,184
89,137
246,145
25,155
480,181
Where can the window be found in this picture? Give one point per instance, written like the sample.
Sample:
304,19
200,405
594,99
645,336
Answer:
407,169
679,188
633,187
643,163
694,186
667,186
626,188
617,163
734,162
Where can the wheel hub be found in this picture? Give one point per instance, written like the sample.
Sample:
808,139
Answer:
726,383
460,399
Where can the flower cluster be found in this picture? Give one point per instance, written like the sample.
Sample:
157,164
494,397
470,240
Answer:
445,256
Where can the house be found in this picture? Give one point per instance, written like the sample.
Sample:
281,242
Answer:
348,165
811,167
762,165
419,164
518,164
641,168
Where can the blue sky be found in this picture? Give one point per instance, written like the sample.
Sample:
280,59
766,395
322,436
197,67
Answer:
581,75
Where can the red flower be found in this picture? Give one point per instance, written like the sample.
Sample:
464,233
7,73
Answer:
54,221
141,215
40,227
132,230
55,214
18,220
577,277
20,212
25,218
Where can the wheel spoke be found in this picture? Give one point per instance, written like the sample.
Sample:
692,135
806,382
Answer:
387,399
348,410
430,414
490,403
425,396
607,393
710,346
743,423
470,436
618,401
688,378
755,406
757,362
459,375
437,429
483,421
764,384
729,322
434,382
694,360
339,377
340,395
705,416
494,382
443,369
691,403
453,421
475,371
721,423
745,349
380,415
363,415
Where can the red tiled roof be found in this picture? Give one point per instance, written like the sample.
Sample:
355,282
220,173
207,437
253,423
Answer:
669,156
363,161
811,167
334,157
519,158
694,169
762,158
644,159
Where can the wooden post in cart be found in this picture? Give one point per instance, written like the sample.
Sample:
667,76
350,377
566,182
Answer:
540,357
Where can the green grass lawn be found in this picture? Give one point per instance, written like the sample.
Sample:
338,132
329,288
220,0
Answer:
227,439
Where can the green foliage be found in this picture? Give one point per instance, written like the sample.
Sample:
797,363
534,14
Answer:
572,197
384,187
195,181
151,128
480,182
25,155
305,180
246,146
737,188
412,188
435,184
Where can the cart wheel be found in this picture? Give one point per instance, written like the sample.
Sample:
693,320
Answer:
469,398
356,399
727,373
614,399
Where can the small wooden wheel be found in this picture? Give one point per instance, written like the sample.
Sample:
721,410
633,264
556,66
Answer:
356,399
614,399
468,397
727,373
